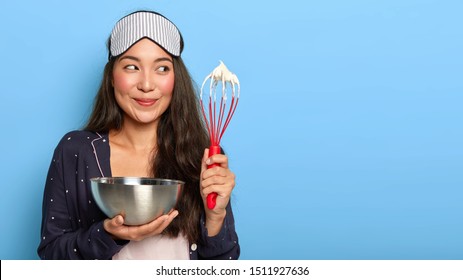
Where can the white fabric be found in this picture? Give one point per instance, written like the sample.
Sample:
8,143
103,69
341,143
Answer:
158,247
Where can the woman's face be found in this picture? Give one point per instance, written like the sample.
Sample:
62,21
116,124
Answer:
143,80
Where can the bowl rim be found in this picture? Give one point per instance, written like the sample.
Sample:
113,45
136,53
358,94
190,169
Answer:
122,180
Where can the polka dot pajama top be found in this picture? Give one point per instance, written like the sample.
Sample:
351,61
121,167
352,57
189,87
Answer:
72,223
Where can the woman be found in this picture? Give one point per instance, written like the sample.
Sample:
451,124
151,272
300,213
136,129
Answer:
145,123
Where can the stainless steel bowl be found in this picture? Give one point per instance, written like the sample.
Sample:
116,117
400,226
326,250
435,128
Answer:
139,200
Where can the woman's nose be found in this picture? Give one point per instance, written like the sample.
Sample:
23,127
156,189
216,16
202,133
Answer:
146,83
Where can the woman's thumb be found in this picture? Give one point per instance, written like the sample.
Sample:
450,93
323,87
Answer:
118,220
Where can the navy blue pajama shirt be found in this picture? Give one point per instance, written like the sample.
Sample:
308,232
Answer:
72,223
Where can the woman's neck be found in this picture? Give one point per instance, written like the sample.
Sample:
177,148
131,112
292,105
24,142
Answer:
135,136
132,149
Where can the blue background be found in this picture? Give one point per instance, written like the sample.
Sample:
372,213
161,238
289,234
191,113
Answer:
347,142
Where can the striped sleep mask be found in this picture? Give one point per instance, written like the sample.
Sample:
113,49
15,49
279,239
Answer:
145,24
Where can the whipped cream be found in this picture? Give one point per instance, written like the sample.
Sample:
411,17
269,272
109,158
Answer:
222,74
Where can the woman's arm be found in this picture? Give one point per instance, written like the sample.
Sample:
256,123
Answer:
66,233
224,245
219,238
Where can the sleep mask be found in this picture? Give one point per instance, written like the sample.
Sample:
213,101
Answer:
145,24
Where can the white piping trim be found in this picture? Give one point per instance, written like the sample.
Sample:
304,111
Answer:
96,155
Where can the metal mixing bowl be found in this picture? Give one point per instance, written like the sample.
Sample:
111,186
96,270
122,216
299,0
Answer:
139,200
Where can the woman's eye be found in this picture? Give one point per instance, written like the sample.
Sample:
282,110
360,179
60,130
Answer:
131,67
163,69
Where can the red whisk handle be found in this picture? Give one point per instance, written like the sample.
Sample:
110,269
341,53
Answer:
211,198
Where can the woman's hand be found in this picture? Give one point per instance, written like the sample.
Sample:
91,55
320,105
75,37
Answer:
118,230
221,180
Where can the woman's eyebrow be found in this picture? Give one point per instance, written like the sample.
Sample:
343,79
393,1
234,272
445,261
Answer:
163,59
129,57
138,60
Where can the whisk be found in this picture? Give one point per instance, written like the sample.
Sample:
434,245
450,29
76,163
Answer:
216,114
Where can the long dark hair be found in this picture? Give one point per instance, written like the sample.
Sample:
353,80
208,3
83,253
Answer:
181,139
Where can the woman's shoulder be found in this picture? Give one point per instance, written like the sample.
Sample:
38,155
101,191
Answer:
77,140
80,136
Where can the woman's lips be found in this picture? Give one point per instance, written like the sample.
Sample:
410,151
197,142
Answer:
145,102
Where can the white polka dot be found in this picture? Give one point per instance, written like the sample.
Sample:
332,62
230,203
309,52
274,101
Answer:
69,138
51,200
52,218
43,238
194,247
75,250
75,155
67,191
82,180
89,202
51,179
88,137
104,140
98,230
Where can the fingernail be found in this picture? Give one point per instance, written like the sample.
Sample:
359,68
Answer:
208,161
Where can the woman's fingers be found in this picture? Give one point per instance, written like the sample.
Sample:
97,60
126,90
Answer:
223,190
219,179
113,225
157,226
220,159
221,184
116,227
217,171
